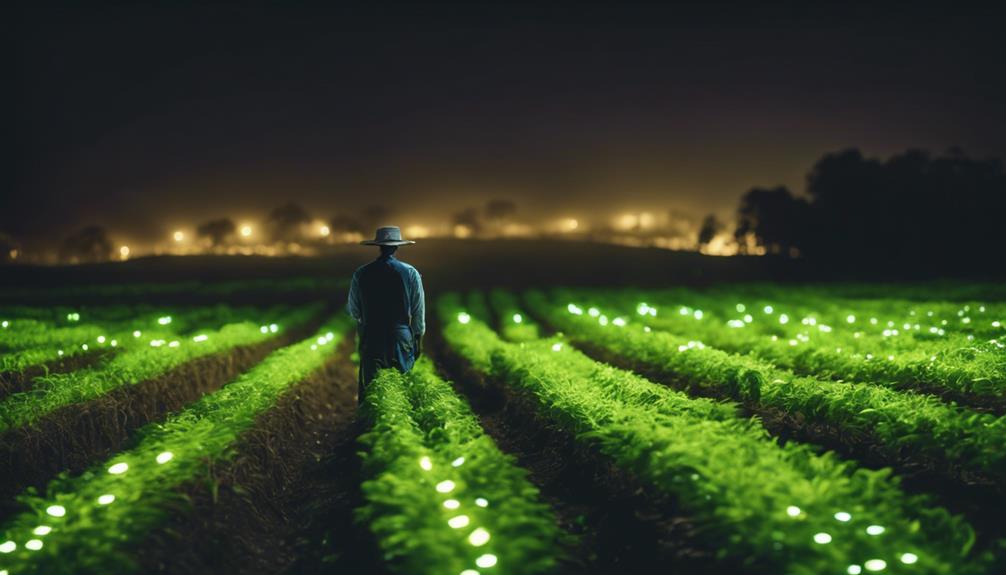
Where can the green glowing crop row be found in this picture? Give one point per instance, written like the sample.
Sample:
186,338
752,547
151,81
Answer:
440,497
900,424
777,508
33,342
514,325
134,366
90,523
938,346
269,287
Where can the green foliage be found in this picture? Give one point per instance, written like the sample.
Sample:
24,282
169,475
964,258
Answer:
769,505
514,325
899,424
107,513
422,434
163,351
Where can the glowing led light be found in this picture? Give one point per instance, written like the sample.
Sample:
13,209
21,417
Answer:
124,252
854,570
425,463
83,346
322,341
324,231
850,318
487,560
59,352
482,502
875,529
329,336
33,544
479,537
164,320
996,324
593,312
517,318
119,468
698,314
465,572
56,510
458,462
452,504
748,318
875,565
783,318
574,309
822,538
620,322
793,511
8,547
458,521
445,486
106,499
178,235
464,317
556,347
42,530
740,308
246,231
5,323
735,323
113,343
156,342
174,344
164,457
603,320
273,327
264,329
200,337
843,516
767,309
137,333
647,329
909,558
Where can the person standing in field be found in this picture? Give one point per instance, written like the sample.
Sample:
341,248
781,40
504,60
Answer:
387,301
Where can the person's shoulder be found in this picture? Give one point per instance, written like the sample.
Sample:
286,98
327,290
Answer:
406,266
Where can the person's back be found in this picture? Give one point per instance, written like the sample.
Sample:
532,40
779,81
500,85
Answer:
386,299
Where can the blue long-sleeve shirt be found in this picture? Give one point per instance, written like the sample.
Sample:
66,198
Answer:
416,298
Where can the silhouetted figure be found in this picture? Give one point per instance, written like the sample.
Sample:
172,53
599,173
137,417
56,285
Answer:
387,301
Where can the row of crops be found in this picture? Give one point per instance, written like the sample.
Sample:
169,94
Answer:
709,403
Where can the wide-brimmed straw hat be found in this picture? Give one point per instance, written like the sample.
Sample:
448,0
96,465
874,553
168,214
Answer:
387,236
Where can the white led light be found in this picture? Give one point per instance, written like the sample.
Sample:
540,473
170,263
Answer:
452,504
425,463
445,486
854,570
464,318
793,511
458,522
517,318
875,529
164,457
33,544
556,346
875,565
42,530
137,333
822,538
843,516
118,468
8,547
273,327
482,502
56,510
487,560
479,537
458,462
101,339
200,337
106,499
850,318
909,558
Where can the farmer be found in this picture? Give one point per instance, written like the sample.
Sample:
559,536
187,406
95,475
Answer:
386,299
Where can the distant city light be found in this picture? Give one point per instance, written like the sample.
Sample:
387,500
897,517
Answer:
570,224
324,231
124,252
246,231
179,235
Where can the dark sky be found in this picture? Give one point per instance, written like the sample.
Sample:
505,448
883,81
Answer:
144,117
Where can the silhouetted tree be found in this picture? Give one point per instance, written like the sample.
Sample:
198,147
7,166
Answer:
218,231
468,217
710,227
90,244
286,221
776,218
498,211
343,224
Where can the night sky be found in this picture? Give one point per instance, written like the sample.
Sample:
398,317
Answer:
143,118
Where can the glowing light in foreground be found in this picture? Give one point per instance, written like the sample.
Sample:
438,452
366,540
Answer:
843,516
556,347
767,309
851,318
118,468
875,565
164,320
909,558
458,522
458,462
106,499
517,318
56,510
8,547
452,504
425,463
487,560
42,530
574,309
875,529
137,333
479,537
854,570
445,486
33,544
164,457
464,318
200,337
482,502
822,538
793,511
465,572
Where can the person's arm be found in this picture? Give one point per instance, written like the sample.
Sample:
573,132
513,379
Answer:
353,304
418,312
